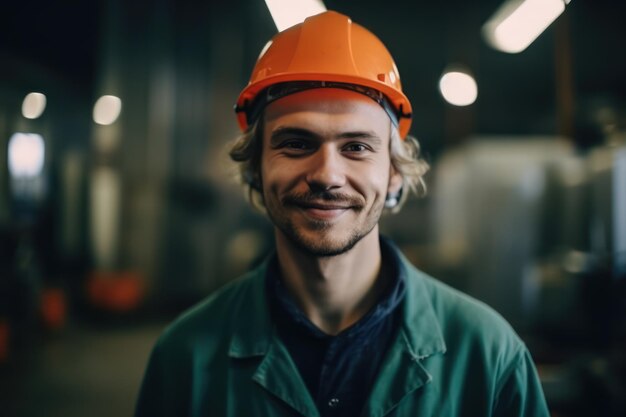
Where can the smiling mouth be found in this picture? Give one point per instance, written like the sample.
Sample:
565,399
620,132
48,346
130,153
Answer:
328,207
323,206
323,211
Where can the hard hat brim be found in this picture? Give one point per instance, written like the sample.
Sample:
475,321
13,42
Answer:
398,100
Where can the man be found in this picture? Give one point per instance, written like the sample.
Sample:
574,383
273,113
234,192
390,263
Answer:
336,322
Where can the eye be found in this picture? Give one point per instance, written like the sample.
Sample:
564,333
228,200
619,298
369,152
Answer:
356,147
295,144
296,147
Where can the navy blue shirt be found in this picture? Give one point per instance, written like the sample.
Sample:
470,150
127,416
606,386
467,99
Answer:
339,370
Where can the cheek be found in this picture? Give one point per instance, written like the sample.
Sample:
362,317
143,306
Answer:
277,177
269,174
379,179
267,181
284,169
372,187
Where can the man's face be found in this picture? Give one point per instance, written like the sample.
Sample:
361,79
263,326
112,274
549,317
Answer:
326,169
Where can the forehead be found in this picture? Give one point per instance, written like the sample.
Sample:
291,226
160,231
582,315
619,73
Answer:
328,111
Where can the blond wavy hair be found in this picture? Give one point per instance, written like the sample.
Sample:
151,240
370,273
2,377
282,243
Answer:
405,154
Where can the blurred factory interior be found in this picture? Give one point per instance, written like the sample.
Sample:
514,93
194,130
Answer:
118,206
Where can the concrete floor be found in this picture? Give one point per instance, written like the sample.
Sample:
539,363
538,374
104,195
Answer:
81,371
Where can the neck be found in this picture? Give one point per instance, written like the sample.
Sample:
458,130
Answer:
333,292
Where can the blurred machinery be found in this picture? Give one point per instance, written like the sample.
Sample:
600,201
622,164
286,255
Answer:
22,288
110,212
537,231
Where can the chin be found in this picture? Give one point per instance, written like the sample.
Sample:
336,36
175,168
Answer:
323,243
324,249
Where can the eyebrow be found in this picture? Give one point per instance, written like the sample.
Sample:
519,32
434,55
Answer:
283,131
371,137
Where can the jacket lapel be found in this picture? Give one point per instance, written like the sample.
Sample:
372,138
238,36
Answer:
400,375
254,336
278,374
419,337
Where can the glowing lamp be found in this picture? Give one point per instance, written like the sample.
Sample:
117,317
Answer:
33,105
106,110
26,155
287,13
458,88
517,23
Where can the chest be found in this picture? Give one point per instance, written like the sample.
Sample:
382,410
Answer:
271,386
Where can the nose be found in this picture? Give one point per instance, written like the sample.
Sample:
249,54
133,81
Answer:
326,170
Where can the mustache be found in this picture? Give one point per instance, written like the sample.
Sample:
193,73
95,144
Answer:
307,198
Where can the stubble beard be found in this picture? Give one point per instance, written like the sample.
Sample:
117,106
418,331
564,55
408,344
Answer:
321,244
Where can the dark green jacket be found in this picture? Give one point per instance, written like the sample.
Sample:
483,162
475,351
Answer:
453,356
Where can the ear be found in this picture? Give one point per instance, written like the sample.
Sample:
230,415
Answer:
395,181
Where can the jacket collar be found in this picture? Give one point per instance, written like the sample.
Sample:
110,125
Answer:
253,332
420,325
253,329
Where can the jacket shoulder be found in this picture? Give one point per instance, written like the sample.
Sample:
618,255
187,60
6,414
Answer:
213,318
466,321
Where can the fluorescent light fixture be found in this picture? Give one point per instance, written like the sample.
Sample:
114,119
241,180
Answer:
458,88
517,23
287,13
26,155
107,110
33,105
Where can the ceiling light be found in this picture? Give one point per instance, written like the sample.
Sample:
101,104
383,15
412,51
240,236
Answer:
458,88
107,110
517,23
26,155
287,13
33,105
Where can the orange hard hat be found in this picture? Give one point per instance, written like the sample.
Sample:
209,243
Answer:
326,50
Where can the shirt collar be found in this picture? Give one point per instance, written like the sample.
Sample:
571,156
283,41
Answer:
254,330
285,306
